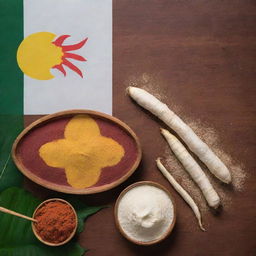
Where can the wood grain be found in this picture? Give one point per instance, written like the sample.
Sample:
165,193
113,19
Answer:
201,55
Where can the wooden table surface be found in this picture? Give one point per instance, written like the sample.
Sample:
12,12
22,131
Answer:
201,55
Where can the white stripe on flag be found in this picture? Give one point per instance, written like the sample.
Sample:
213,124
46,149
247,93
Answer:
79,19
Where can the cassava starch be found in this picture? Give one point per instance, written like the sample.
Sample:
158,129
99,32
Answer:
145,213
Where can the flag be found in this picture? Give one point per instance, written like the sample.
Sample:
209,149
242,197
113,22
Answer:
61,54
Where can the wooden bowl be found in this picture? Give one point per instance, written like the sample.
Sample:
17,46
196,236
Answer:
39,237
151,183
26,157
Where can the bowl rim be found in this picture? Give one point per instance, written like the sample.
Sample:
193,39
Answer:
71,235
137,184
70,190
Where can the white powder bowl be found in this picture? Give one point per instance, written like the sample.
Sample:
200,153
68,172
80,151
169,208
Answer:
145,213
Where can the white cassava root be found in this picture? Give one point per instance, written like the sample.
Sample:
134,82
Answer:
194,170
181,191
196,145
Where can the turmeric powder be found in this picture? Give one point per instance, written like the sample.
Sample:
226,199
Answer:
83,152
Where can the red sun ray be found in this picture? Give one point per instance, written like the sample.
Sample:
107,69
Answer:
73,56
60,68
73,47
66,54
72,67
59,41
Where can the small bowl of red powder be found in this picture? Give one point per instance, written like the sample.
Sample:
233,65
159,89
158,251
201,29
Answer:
56,222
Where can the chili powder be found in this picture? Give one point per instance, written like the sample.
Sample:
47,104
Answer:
55,221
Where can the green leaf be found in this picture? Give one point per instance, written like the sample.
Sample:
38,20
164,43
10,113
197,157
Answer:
10,127
16,236
83,211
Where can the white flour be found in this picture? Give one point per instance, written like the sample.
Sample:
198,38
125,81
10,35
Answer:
145,213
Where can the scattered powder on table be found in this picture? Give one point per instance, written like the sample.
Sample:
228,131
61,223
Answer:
55,222
148,83
209,136
145,213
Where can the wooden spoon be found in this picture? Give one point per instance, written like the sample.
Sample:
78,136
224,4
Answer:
2,209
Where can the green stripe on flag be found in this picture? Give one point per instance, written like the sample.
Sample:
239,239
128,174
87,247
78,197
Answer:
11,88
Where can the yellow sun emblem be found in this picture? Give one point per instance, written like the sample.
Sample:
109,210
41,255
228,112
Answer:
39,53
82,153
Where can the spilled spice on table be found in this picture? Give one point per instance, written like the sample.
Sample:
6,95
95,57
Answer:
210,136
